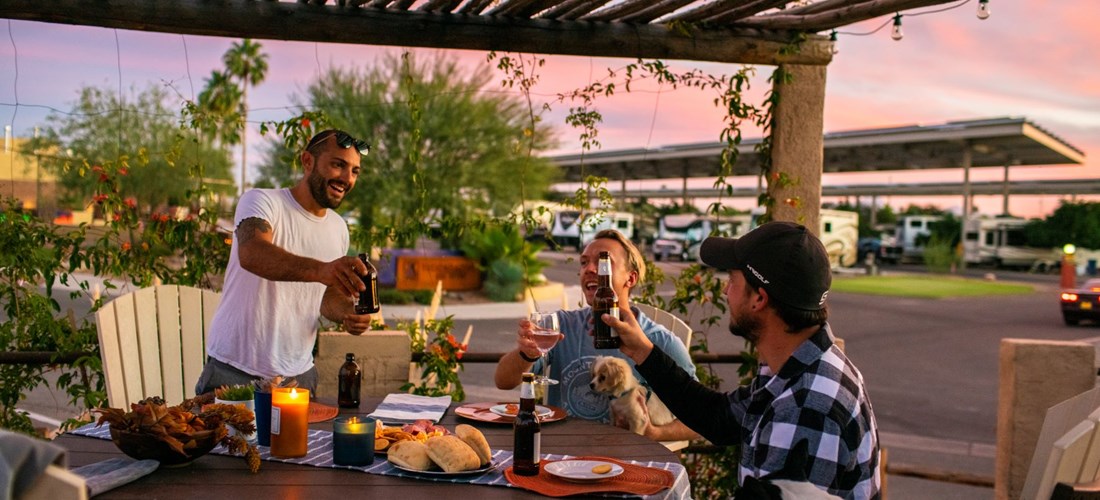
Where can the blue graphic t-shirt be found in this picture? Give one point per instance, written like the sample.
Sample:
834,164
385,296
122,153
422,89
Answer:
571,363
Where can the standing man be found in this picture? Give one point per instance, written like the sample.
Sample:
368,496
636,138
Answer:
806,416
287,267
572,358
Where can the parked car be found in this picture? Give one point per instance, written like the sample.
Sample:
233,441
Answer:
1082,302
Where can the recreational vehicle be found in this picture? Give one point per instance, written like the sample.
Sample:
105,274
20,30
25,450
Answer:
1001,242
911,235
595,222
839,232
680,235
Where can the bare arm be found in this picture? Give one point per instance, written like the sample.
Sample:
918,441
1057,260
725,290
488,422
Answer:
259,256
672,431
511,366
340,308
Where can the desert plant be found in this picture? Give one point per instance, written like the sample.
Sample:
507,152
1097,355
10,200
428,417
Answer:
234,393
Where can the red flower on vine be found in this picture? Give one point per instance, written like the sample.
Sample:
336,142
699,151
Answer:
103,178
126,246
305,122
99,198
130,202
123,171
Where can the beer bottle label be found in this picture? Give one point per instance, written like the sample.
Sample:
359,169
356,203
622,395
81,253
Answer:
538,447
604,267
276,419
614,313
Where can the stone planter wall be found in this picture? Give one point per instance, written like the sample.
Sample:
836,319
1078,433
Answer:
382,355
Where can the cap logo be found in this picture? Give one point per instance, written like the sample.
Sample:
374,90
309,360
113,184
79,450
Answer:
758,275
823,296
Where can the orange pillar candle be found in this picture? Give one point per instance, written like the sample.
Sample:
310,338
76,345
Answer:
289,422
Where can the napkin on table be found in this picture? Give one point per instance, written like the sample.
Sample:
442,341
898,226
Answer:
408,408
114,472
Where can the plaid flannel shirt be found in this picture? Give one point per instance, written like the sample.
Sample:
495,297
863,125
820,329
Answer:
817,397
816,406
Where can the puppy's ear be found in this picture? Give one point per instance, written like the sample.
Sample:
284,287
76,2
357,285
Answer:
616,372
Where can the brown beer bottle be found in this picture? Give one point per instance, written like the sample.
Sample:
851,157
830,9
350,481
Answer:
605,302
528,436
351,378
368,299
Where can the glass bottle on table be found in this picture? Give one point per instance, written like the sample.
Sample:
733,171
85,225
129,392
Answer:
527,442
349,383
605,301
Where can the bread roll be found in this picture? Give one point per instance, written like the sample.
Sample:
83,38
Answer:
452,454
473,437
410,455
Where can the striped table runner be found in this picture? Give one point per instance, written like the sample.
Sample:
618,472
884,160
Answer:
319,454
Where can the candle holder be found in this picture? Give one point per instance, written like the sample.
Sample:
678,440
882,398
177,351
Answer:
289,422
353,441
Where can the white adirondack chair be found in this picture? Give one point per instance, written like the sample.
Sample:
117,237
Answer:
153,342
682,331
668,320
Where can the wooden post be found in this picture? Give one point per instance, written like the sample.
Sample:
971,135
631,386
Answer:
798,145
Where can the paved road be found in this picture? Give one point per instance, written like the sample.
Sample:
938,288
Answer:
930,366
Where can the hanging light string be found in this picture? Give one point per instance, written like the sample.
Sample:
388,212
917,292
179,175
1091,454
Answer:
895,20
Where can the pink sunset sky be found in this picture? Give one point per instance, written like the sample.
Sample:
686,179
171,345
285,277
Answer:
1033,59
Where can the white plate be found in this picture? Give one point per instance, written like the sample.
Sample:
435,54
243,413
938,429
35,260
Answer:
540,410
580,470
439,473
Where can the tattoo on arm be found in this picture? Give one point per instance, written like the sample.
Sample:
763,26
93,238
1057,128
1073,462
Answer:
250,227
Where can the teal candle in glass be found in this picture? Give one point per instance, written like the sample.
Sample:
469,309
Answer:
353,441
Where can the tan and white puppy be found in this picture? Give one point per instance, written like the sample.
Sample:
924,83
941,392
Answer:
615,378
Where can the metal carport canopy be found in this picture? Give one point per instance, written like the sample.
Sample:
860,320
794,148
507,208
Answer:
993,142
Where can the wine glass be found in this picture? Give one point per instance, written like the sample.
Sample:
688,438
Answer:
545,331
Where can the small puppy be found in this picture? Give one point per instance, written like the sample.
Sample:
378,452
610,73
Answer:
615,378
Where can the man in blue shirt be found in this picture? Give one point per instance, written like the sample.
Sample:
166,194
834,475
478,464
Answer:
571,359
806,416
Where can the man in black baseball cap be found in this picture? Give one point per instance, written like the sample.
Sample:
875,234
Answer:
806,416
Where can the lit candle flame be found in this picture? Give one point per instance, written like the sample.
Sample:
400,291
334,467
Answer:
353,420
293,393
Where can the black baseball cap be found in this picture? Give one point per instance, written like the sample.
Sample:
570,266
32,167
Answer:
784,258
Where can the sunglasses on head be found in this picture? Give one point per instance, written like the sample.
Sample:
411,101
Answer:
344,140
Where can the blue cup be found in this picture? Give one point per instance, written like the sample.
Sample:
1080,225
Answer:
263,418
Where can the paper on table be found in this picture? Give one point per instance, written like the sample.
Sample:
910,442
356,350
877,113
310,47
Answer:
408,408
114,472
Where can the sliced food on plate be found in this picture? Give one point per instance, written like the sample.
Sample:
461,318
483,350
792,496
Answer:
464,451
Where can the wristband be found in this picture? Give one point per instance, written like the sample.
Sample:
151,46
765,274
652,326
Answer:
527,359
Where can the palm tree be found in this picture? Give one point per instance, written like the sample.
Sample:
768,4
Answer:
220,103
245,63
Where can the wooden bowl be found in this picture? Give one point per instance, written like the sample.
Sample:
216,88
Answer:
146,446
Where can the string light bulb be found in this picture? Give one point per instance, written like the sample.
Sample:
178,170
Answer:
832,38
983,9
896,34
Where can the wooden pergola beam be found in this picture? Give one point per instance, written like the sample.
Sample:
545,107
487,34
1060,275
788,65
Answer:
366,26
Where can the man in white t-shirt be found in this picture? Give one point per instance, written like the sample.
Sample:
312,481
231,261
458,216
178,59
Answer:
287,267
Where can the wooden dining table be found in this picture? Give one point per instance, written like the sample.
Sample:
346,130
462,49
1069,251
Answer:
221,476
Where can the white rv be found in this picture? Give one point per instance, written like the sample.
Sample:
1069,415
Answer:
1000,241
839,232
680,235
595,222
566,229
911,234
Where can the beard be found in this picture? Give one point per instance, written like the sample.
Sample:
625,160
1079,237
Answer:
318,187
744,326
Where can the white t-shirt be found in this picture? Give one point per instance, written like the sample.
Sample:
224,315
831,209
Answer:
267,328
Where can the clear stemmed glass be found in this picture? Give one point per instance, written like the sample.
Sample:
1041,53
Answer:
545,331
